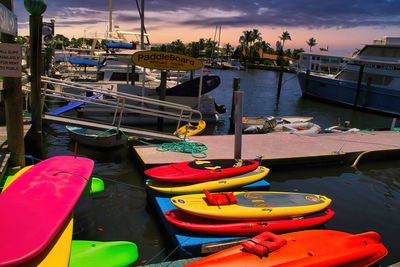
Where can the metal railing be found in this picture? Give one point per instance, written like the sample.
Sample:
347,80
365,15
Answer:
123,102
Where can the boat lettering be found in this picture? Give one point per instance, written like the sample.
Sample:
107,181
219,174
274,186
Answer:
267,210
181,201
252,195
383,67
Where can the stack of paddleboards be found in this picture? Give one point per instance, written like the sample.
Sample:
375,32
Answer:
248,213
37,225
212,175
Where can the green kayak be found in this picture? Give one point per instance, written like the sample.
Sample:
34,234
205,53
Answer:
96,253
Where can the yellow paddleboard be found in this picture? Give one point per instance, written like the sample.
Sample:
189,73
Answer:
212,186
191,129
254,205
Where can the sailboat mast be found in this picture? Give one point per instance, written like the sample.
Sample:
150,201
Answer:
110,19
142,27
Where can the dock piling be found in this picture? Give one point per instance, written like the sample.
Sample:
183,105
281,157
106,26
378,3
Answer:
236,87
238,124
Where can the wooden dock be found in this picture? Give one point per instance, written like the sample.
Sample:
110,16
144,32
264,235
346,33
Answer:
287,150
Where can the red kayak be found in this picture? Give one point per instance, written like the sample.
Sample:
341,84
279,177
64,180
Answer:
220,227
202,170
304,248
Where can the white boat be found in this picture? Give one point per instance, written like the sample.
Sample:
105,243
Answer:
270,124
370,80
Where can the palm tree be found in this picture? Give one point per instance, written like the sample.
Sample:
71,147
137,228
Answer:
228,50
311,42
285,36
245,41
255,35
264,46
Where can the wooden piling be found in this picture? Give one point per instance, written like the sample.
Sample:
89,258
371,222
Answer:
236,87
13,109
35,25
238,124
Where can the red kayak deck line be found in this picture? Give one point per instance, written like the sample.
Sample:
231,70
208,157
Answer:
282,149
36,205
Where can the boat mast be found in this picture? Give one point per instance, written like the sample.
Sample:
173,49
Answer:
142,27
110,20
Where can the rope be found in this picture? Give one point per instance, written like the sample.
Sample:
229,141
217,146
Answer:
185,147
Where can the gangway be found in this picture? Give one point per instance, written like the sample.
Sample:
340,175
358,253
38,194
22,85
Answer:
120,103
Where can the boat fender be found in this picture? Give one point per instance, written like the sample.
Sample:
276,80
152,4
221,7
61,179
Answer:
218,199
264,243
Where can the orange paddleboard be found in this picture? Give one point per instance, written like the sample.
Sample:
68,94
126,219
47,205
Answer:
37,204
307,248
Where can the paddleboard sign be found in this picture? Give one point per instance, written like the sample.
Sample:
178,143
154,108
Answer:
10,60
8,22
165,61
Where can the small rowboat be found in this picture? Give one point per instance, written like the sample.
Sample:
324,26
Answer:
96,138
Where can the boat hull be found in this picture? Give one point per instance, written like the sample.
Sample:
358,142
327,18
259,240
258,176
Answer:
327,89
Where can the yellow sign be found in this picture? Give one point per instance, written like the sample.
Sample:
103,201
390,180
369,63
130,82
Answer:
165,61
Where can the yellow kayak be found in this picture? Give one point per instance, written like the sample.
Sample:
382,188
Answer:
191,128
253,205
215,185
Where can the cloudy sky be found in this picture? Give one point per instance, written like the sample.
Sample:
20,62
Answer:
341,25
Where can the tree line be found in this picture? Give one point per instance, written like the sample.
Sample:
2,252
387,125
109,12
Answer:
250,44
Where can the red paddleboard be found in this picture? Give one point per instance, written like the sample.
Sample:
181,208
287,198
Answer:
37,204
305,248
220,227
202,170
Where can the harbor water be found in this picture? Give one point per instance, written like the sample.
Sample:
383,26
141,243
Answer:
366,198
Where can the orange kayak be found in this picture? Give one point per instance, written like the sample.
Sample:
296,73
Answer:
303,248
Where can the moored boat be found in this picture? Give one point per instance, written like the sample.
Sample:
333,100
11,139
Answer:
96,138
370,80
253,125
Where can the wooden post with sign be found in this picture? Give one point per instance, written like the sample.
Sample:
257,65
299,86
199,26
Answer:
10,69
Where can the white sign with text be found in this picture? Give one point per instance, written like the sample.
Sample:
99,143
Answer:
10,60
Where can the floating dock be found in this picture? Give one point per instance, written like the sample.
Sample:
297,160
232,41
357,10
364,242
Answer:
287,150
191,244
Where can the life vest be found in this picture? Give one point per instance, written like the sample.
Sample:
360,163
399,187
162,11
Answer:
264,243
218,199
